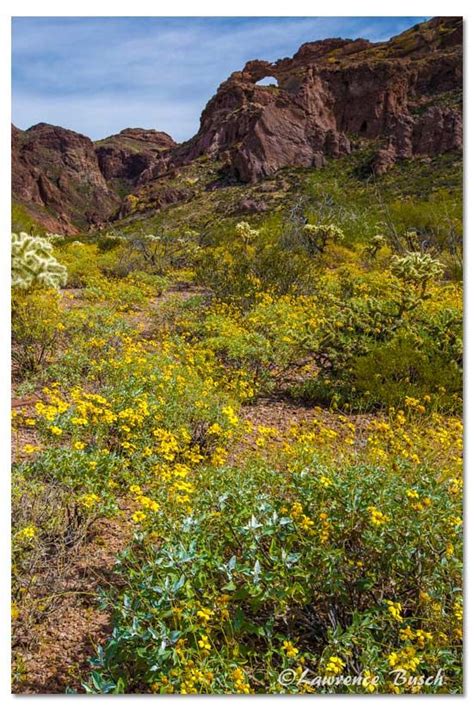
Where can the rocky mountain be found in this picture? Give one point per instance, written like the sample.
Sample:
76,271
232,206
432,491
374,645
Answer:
129,153
405,93
402,96
56,174
68,182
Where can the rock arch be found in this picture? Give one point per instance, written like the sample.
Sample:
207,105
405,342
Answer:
268,80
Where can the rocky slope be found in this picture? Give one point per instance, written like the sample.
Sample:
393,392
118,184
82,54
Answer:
404,93
403,96
56,173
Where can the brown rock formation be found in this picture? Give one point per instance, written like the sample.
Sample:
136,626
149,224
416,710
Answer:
127,154
404,95
58,170
330,90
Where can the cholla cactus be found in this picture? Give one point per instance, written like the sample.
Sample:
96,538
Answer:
33,263
245,232
319,235
375,244
416,268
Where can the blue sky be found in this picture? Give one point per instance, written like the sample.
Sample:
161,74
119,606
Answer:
100,75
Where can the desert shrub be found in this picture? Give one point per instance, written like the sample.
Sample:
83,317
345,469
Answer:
294,568
81,260
90,332
37,327
122,294
408,365
322,344
272,340
248,262
434,223
56,499
169,407
47,524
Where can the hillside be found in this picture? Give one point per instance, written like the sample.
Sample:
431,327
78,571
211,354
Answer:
400,99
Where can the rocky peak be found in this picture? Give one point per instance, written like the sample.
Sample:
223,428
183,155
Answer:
330,91
56,170
127,154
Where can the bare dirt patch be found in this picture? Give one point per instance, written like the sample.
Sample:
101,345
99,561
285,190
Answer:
52,654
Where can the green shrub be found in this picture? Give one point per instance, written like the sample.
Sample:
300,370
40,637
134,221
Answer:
37,326
288,569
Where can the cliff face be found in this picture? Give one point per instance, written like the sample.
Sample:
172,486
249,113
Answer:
404,95
127,154
58,170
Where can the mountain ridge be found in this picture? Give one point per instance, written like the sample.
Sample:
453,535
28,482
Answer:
403,96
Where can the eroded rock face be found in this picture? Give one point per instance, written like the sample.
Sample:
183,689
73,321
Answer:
57,169
68,183
127,154
331,90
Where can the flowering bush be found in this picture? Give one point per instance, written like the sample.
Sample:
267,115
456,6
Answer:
299,566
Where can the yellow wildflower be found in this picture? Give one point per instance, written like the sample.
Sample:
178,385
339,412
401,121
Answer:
289,649
335,665
138,516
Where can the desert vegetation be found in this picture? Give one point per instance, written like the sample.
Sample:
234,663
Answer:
238,446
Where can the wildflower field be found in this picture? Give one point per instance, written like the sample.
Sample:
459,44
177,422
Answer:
238,458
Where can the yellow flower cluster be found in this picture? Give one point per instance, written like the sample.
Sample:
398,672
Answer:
303,522
89,500
289,649
145,502
405,659
420,637
204,615
369,681
204,644
377,518
241,684
394,609
27,533
334,666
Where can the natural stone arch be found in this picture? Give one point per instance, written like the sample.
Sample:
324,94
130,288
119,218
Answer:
269,80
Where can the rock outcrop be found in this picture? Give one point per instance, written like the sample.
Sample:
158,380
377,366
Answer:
403,93
57,171
126,155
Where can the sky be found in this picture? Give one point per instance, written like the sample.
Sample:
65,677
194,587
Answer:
99,75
